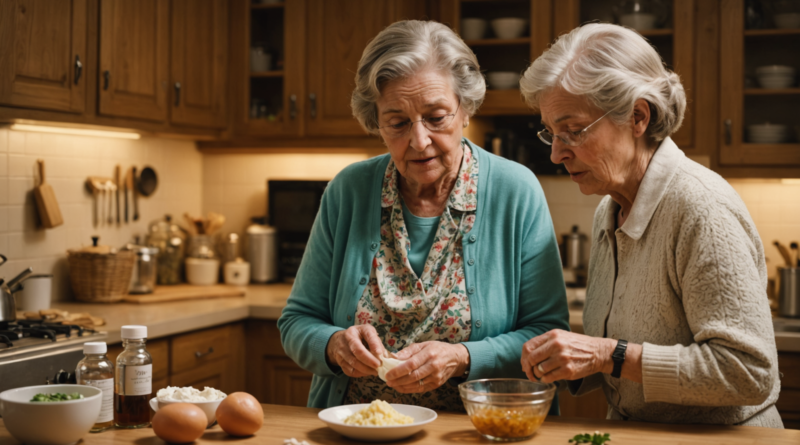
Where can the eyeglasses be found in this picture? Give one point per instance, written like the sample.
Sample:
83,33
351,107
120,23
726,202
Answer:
571,138
433,123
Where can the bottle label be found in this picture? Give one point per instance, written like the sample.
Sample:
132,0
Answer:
137,380
107,407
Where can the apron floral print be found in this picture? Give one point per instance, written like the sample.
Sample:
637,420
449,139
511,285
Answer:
406,309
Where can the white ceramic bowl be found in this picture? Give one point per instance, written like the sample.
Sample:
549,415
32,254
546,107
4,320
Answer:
335,416
202,271
776,70
509,27
209,408
787,20
502,80
767,133
50,423
640,21
473,29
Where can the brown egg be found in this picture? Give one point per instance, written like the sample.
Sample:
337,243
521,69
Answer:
179,423
240,414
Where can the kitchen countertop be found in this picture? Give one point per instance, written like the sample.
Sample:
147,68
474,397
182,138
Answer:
284,422
266,302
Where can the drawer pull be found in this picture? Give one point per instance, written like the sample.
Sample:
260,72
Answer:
199,354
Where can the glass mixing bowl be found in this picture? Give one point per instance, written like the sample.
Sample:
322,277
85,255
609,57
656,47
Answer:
507,410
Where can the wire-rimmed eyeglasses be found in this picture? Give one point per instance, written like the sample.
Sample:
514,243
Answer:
432,123
571,138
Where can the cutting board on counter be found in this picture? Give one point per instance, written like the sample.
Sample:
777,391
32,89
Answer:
185,292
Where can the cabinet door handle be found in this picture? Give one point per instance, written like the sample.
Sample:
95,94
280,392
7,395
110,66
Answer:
78,68
313,98
177,93
106,79
728,131
292,106
199,354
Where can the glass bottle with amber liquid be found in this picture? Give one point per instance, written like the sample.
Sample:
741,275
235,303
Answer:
134,380
97,370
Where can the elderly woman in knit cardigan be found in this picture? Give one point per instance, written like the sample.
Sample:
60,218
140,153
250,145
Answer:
677,271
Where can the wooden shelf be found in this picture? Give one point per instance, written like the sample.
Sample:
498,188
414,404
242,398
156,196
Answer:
266,74
266,6
499,42
770,32
783,146
656,32
770,91
488,1
504,102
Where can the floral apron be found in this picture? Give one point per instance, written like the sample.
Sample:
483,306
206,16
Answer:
406,309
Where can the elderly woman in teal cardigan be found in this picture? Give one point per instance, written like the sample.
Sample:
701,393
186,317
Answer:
438,252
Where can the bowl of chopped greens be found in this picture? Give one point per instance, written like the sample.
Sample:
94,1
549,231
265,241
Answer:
66,411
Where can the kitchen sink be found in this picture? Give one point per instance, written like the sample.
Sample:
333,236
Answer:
786,325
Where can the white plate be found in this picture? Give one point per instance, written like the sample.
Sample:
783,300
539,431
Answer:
335,416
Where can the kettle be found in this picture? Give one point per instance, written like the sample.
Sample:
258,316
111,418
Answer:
8,308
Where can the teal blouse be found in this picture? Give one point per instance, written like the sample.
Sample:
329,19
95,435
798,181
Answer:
513,271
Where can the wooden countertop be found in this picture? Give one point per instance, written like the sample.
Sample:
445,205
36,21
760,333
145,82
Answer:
284,422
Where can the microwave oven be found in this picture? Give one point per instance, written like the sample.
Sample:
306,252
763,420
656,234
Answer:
292,208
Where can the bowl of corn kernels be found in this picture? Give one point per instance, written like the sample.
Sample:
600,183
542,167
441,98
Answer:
507,410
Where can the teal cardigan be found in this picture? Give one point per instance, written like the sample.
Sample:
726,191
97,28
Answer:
515,284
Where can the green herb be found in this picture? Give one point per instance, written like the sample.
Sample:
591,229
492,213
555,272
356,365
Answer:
57,397
593,439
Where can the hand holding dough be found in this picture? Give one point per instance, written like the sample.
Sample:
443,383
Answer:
387,364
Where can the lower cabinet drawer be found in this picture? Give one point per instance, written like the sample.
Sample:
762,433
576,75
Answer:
192,350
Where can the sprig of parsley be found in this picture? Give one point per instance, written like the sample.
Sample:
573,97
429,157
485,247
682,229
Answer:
594,439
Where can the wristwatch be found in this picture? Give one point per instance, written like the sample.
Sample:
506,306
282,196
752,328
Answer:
619,358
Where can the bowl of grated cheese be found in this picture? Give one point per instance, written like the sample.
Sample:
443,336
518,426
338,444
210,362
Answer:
208,399
377,421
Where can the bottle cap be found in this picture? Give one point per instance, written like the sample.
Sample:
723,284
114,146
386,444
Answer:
95,347
131,332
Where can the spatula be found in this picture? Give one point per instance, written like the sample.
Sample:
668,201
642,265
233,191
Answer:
46,202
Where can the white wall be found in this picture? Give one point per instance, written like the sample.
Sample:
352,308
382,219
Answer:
69,160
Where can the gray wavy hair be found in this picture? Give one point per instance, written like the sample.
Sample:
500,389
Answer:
612,67
405,48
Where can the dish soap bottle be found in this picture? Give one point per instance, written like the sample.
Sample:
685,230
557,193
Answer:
97,370
134,380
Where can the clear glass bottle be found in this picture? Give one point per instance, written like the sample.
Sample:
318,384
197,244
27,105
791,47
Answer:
134,380
97,370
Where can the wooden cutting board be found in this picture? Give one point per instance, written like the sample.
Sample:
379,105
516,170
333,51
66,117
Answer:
185,292
46,202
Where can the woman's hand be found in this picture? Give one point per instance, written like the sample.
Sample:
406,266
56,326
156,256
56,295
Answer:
348,350
565,355
428,366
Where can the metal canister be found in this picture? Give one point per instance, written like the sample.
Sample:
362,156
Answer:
262,252
573,248
789,293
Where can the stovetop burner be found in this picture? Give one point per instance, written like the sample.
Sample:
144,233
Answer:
23,335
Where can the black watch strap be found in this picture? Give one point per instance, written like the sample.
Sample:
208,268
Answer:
619,358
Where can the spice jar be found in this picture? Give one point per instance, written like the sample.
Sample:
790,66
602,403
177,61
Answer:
134,380
170,239
97,370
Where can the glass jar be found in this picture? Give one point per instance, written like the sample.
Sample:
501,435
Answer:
97,370
201,246
170,239
134,380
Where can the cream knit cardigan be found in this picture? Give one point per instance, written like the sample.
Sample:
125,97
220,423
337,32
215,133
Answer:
685,277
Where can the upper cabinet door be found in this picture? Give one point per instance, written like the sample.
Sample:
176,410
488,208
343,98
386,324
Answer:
338,32
42,54
199,62
134,59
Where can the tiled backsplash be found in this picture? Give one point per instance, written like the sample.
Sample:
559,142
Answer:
69,160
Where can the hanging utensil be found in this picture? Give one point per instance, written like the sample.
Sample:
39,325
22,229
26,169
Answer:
49,212
148,181
117,184
111,188
135,195
127,187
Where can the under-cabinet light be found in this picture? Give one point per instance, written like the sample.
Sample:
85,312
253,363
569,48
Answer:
790,181
75,131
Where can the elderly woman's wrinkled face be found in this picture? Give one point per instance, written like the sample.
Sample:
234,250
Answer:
422,156
603,162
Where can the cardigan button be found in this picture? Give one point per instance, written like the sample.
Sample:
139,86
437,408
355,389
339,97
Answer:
478,324
471,261
362,281
349,317
473,238
373,246
471,290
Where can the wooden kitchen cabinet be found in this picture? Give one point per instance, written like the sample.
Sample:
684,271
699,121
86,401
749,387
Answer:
272,377
789,401
134,59
743,102
199,62
42,54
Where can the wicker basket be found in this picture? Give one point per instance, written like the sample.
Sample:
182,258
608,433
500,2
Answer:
100,275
